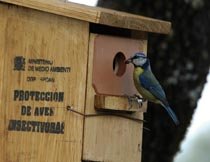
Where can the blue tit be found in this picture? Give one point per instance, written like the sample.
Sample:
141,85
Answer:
147,84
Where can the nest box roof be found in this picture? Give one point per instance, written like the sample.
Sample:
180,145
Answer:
96,15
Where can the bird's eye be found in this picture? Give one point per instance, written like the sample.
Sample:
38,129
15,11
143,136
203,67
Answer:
135,57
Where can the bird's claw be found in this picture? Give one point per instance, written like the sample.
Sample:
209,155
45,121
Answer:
135,98
139,99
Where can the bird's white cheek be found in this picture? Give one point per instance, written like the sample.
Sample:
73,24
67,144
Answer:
138,62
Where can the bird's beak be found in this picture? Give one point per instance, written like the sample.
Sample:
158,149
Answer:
128,61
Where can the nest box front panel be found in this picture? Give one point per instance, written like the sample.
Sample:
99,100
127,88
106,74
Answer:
108,137
42,73
111,76
109,80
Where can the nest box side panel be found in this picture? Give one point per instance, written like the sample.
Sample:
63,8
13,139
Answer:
2,43
42,73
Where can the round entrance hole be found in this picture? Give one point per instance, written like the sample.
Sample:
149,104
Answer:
119,65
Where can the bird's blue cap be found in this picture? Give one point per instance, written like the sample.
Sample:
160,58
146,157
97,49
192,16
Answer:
136,55
140,54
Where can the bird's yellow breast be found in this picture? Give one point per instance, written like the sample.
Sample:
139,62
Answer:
136,73
145,93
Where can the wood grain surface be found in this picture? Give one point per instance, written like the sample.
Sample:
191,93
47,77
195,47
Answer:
96,15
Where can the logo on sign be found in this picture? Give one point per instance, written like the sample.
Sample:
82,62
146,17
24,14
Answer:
19,63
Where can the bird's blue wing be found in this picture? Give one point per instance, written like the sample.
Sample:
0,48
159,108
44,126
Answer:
149,82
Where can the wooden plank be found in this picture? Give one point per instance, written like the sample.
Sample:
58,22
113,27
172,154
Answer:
96,15
134,22
109,56
110,138
41,54
90,92
118,103
2,110
72,10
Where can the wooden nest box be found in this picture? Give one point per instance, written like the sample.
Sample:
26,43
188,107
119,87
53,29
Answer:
63,81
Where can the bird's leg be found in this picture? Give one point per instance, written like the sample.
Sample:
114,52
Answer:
139,99
135,98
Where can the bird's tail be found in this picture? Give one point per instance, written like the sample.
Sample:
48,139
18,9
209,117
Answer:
171,113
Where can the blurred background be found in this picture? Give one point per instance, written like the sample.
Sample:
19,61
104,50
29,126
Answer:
181,63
